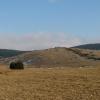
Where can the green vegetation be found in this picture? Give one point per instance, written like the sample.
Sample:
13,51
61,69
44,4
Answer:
17,65
9,53
89,46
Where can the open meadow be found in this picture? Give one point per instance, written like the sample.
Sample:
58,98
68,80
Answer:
50,84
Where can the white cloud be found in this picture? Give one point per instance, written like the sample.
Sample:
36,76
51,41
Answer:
38,41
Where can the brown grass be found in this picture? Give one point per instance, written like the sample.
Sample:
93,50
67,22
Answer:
50,84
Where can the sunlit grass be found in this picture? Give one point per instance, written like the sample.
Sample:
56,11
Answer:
50,84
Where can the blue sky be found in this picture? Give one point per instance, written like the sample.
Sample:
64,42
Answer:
48,23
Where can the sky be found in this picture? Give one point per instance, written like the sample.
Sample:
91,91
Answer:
40,24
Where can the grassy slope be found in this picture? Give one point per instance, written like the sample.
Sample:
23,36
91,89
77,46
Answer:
54,57
50,84
86,53
58,57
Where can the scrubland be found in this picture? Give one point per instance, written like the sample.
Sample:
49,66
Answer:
50,84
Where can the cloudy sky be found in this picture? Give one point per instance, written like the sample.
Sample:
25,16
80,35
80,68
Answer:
40,24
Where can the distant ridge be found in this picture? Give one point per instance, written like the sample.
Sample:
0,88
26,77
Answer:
9,53
95,46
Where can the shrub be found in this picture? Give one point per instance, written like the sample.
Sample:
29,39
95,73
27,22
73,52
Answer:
16,65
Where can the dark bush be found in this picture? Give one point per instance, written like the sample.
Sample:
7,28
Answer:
16,65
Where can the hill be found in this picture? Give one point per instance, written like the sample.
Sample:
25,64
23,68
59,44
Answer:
9,53
89,46
57,57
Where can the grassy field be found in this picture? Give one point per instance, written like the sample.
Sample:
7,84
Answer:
50,84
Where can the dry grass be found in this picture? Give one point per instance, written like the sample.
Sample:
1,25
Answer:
50,84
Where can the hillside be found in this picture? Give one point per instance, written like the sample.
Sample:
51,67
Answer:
9,53
89,46
57,57
54,57
86,53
